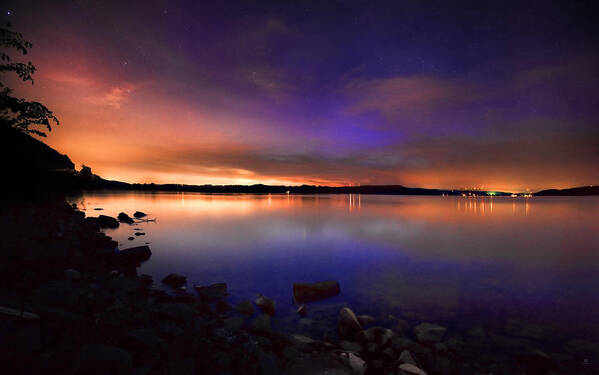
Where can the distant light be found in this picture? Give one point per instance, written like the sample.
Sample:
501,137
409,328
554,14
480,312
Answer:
8,13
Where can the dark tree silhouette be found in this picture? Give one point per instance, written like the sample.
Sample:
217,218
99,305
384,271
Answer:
14,112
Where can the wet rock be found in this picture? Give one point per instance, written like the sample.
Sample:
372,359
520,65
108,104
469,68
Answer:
378,335
266,304
410,369
366,320
212,292
348,324
536,362
221,307
245,307
308,292
350,346
139,214
234,323
302,310
406,357
174,280
104,221
476,331
142,339
521,328
175,311
103,359
429,333
72,274
140,233
135,255
124,218
98,208
131,238
260,324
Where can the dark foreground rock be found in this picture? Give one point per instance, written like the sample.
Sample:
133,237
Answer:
174,280
124,218
308,292
135,255
105,221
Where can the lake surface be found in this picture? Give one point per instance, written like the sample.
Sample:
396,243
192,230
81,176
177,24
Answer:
495,262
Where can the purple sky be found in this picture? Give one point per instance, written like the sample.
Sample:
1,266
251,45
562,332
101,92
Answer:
431,94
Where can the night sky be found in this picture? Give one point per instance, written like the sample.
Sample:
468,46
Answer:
496,95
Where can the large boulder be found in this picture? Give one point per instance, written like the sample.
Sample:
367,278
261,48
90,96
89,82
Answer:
429,333
266,304
124,218
135,255
105,221
174,280
348,324
308,292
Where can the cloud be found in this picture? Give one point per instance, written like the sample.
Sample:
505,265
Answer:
113,98
404,96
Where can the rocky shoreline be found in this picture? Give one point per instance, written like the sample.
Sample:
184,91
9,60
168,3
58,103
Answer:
71,302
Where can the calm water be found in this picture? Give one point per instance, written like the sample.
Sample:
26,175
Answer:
453,260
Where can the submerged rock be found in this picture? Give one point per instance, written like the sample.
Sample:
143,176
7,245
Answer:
428,332
212,292
124,218
348,324
308,292
139,214
104,221
266,304
174,280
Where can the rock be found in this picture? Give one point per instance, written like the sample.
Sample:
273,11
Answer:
124,218
142,339
350,346
72,274
308,292
357,364
131,238
266,304
348,324
260,324
536,362
429,333
520,328
135,255
175,311
212,292
234,323
103,359
406,357
366,320
104,221
174,280
245,307
476,331
140,234
302,310
221,307
139,214
98,208
378,335
409,369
